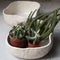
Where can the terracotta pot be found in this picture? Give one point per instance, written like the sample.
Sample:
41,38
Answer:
30,45
17,42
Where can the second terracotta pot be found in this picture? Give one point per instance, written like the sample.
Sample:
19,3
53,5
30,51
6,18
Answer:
30,45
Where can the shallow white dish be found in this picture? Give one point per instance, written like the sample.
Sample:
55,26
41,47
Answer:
18,11
30,53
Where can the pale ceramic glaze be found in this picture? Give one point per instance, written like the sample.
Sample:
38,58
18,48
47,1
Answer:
30,53
18,11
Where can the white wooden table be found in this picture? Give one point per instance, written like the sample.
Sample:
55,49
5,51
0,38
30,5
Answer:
54,54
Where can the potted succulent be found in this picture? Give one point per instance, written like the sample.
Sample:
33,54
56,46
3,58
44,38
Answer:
31,34
17,36
40,27
35,30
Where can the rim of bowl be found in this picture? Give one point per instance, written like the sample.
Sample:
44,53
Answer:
48,44
18,1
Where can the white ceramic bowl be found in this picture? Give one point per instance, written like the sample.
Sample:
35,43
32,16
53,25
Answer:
30,53
18,11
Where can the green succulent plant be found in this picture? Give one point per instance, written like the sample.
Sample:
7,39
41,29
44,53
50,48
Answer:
41,26
18,31
37,28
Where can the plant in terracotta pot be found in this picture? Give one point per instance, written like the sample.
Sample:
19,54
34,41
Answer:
35,30
39,27
17,36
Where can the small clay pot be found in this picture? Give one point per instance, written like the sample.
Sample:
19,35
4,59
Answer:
37,44
17,42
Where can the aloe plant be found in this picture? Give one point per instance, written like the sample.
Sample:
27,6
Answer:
41,26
